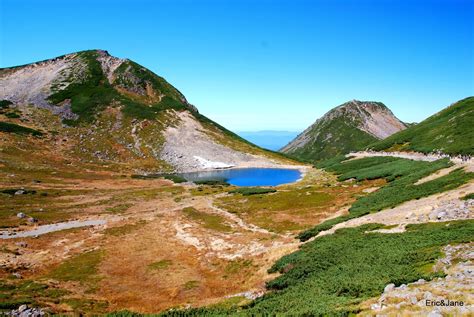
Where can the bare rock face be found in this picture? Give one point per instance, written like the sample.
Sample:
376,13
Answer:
350,126
375,118
33,83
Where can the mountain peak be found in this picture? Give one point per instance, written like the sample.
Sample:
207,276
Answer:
78,86
350,126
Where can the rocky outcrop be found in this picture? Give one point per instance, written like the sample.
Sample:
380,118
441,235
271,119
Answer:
443,296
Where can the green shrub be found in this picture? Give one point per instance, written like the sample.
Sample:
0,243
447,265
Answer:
350,266
18,129
12,115
172,177
5,104
246,191
468,196
12,191
212,183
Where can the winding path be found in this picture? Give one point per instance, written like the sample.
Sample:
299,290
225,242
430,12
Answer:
417,156
40,230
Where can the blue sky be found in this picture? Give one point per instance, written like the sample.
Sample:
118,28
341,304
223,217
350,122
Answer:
260,65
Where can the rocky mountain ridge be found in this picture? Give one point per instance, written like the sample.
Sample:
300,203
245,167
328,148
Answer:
105,109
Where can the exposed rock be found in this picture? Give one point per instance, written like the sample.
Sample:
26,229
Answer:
25,311
456,286
389,288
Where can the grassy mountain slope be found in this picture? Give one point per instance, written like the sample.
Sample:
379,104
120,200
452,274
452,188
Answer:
112,111
451,131
345,138
348,127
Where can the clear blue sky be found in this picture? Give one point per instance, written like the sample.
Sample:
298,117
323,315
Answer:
256,65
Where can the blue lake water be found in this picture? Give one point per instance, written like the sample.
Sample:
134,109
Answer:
248,176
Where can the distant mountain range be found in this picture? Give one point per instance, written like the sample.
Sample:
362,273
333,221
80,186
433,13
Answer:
269,139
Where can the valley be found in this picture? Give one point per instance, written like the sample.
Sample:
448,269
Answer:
97,219
161,245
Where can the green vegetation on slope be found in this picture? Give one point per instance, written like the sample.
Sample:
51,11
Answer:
402,174
247,191
450,131
208,221
94,92
81,268
14,293
345,137
169,176
350,266
131,75
332,275
18,129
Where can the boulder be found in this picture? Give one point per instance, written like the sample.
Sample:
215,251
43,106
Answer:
389,288
22,308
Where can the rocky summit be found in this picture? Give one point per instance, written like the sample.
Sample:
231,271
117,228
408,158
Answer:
348,127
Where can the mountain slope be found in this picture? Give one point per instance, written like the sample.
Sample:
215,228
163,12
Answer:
97,108
449,131
350,126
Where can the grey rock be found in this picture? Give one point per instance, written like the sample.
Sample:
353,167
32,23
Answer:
428,295
435,313
441,215
21,215
17,275
22,308
389,288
